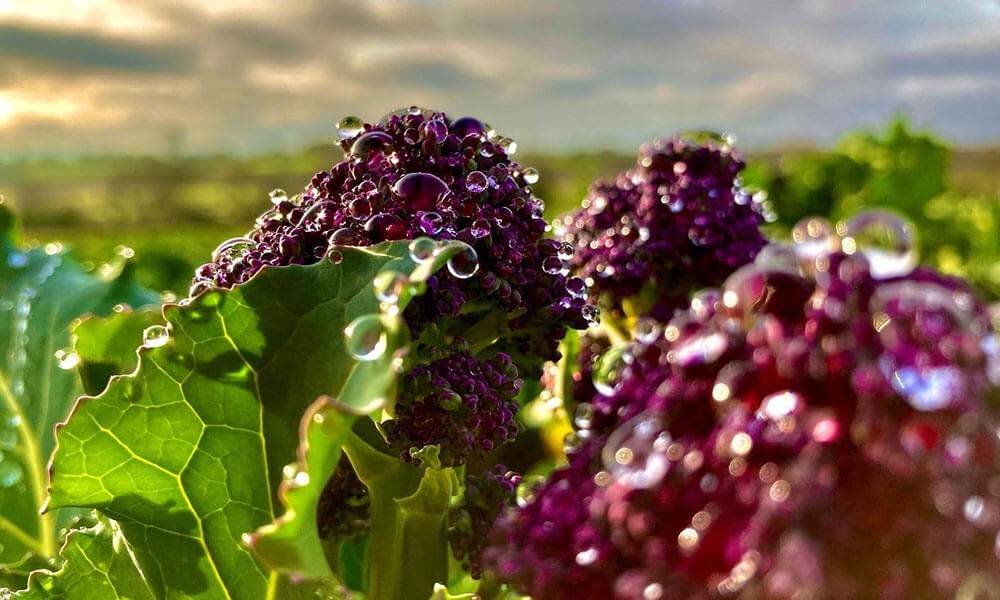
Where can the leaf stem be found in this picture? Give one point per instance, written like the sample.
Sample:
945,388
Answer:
36,468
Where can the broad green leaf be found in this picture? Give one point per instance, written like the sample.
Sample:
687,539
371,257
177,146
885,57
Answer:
97,565
291,544
106,346
187,452
42,291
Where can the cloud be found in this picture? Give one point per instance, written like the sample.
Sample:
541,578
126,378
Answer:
247,77
72,50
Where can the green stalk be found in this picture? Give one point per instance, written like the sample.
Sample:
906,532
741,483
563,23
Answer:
409,508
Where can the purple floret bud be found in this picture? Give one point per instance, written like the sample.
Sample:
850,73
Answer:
679,221
464,405
469,523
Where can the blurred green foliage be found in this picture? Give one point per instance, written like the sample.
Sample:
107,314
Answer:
912,173
174,211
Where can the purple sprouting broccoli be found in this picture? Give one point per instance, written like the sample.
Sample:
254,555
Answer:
417,173
825,424
464,405
485,496
677,222
420,174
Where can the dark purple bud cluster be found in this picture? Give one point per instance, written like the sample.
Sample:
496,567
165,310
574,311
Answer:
677,222
343,505
485,496
419,174
464,405
824,425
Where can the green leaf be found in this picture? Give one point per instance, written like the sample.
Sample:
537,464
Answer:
107,346
42,291
187,451
98,565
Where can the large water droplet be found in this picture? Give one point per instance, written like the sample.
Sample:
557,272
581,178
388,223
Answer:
552,265
155,336
389,286
609,368
465,264
373,141
349,127
366,337
420,191
233,247
885,239
468,125
422,249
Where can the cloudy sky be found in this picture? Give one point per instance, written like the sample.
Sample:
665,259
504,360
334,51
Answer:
227,75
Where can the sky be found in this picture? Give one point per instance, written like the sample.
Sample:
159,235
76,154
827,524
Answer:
205,76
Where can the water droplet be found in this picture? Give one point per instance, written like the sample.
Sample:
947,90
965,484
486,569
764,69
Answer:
530,176
67,359
373,141
886,240
435,130
508,145
389,286
155,336
480,229
10,473
552,265
577,287
504,217
583,417
422,249
465,264
361,208
366,337
608,370
17,259
385,226
345,236
420,191
929,388
699,349
278,196
587,557
468,125
477,182
349,127
565,251
232,247
430,222
8,438
782,404
813,237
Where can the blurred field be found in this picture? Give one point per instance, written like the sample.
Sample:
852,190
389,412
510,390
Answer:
174,211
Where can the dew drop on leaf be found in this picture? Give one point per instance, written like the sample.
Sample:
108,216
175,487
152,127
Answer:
67,359
10,474
155,336
465,264
366,337
422,249
389,286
